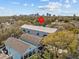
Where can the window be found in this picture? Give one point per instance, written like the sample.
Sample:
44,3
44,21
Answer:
30,53
28,31
11,57
25,56
33,51
24,30
40,48
37,33
5,50
21,57
44,35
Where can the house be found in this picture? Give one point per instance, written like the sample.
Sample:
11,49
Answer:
19,49
34,34
29,42
37,30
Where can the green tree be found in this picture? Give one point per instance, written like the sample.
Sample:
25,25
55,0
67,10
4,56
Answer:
61,43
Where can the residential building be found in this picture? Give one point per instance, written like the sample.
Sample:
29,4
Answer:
29,42
37,30
19,49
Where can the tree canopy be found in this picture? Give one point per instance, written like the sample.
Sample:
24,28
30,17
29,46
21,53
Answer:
62,41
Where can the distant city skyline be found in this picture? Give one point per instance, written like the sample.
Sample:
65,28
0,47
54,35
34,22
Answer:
26,7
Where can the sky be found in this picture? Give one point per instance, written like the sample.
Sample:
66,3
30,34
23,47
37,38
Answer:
26,7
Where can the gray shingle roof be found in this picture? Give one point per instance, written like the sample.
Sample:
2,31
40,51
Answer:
18,45
31,38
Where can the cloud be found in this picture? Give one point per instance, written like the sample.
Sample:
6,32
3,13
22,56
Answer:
41,7
54,5
7,12
74,1
16,3
29,5
67,5
51,6
66,1
2,8
56,8
32,5
70,1
44,0
25,4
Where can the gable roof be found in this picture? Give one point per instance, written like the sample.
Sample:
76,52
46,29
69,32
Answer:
35,40
18,45
40,28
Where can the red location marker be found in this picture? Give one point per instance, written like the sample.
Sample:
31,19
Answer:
41,20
